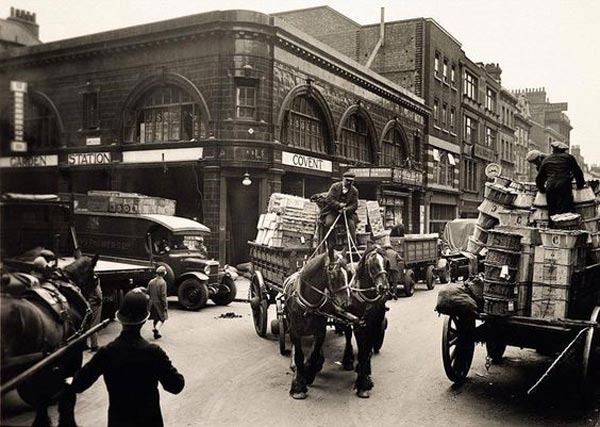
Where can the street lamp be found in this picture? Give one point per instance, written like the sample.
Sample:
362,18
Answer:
246,181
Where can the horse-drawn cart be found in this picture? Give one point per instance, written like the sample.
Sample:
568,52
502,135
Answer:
574,338
420,253
271,266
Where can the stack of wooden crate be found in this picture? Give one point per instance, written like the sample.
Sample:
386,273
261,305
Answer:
120,202
561,254
290,221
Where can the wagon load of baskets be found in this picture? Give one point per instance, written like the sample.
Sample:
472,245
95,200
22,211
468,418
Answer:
530,269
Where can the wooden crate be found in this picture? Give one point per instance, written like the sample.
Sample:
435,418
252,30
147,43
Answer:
549,301
552,274
560,256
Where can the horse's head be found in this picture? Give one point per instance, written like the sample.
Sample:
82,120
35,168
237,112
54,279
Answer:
81,272
337,279
373,269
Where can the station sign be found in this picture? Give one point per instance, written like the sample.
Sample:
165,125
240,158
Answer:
91,158
306,162
40,160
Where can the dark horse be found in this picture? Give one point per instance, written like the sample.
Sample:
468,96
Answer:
318,290
31,329
370,291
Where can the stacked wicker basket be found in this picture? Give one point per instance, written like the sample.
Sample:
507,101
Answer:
501,266
528,267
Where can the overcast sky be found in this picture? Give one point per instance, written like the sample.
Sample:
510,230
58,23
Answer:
549,43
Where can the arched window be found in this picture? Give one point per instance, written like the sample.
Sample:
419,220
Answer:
41,128
165,113
444,170
305,126
394,149
355,140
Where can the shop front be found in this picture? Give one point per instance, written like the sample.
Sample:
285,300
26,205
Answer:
36,173
443,208
399,192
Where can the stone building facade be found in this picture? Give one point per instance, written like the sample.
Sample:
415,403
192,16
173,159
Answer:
184,108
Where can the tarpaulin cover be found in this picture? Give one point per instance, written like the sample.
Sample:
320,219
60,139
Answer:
457,233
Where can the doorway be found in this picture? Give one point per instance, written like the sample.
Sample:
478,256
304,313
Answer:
242,218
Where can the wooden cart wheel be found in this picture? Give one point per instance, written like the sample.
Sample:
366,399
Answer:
495,350
282,328
430,277
591,341
409,283
457,347
259,304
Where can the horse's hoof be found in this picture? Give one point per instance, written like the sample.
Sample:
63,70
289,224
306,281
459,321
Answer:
364,394
298,396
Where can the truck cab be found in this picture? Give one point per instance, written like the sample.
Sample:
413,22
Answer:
174,242
31,222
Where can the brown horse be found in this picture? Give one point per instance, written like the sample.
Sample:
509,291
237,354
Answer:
318,290
31,329
370,291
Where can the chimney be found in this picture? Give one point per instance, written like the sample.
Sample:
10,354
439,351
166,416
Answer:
494,71
25,19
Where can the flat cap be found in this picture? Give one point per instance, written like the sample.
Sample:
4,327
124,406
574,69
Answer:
349,174
559,145
533,155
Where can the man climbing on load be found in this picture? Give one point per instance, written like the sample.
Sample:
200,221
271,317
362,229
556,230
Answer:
341,198
555,177
536,158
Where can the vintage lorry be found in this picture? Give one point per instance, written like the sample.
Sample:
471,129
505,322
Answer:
176,243
28,222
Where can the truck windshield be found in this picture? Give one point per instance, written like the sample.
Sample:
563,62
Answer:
181,242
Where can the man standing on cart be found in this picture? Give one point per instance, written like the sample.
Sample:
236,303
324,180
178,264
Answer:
342,198
555,177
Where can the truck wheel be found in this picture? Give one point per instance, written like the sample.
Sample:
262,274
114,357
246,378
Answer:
227,292
192,294
409,283
430,277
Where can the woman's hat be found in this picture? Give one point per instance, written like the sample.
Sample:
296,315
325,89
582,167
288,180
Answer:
161,270
134,308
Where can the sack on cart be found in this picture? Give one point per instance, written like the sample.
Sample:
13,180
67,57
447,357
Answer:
456,299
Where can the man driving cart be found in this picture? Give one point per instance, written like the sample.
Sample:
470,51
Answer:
342,198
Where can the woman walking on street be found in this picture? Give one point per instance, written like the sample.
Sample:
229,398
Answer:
157,290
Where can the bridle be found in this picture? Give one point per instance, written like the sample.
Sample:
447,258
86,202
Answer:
381,290
328,294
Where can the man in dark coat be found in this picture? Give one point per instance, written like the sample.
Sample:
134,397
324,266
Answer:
555,177
132,369
341,198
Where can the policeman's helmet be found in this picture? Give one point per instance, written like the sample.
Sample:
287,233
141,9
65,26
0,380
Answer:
134,308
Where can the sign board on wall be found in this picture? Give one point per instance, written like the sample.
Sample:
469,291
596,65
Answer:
163,155
306,162
19,89
41,160
92,158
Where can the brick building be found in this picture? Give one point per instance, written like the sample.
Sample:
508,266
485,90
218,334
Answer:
552,124
19,29
420,55
482,125
524,171
185,108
